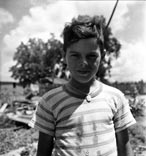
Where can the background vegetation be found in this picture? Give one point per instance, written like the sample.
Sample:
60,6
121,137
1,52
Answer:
38,60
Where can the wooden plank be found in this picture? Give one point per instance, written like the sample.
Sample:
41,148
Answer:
22,119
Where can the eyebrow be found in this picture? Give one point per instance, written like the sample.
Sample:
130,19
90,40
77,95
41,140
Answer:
92,52
74,52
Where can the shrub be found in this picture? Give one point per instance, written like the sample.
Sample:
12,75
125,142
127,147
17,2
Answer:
138,106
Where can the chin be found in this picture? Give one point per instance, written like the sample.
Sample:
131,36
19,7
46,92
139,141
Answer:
84,81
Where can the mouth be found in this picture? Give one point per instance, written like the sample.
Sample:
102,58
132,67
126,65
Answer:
82,72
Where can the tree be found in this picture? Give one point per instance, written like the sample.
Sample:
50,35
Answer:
36,60
111,48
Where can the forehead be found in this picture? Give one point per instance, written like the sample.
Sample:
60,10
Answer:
84,45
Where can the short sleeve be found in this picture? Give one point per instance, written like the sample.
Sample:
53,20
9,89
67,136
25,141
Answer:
43,119
123,117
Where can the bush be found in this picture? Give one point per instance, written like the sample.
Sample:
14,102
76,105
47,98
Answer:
137,106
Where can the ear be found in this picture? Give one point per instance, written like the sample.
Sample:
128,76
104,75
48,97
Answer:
64,58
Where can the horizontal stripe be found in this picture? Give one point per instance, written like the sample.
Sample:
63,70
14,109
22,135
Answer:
119,127
92,111
79,102
73,125
105,143
44,118
87,134
72,105
119,118
52,93
114,150
82,114
44,127
59,102
45,109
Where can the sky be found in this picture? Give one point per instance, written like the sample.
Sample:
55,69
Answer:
24,19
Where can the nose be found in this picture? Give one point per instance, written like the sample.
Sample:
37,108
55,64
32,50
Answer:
83,62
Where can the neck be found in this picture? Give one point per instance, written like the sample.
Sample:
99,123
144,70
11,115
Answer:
83,87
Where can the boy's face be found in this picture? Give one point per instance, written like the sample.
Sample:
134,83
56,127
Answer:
83,59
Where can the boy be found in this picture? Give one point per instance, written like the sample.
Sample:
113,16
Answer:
84,117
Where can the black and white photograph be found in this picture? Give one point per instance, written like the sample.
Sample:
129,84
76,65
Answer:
72,78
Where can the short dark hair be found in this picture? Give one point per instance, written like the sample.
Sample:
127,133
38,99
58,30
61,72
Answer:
83,27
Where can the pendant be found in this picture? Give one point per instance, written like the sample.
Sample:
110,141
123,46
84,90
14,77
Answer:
88,98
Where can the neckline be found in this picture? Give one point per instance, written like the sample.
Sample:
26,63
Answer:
82,95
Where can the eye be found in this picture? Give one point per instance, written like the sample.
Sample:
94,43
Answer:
74,55
92,56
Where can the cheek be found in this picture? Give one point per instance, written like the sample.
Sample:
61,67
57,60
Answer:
70,64
95,63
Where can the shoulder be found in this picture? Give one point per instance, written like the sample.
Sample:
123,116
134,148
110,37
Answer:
112,91
52,92
115,95
54,96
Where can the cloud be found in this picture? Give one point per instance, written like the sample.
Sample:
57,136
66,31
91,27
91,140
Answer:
43,20
5,17
131,65
119,22
41,2
5,75
40,22
133,21
51,17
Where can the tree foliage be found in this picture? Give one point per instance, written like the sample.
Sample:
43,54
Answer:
36,59
112,49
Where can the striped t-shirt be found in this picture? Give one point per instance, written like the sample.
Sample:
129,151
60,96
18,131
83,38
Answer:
83,126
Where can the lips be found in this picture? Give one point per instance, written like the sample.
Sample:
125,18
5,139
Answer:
83,72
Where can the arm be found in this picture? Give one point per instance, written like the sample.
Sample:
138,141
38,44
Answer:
45,145
123,144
